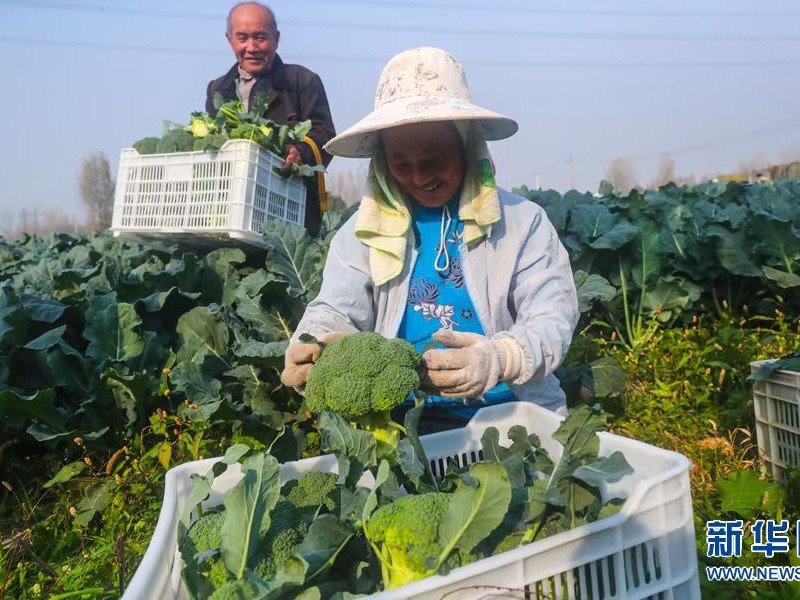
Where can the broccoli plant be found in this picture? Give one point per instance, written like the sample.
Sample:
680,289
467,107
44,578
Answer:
268,539
201,125
362,377
416,536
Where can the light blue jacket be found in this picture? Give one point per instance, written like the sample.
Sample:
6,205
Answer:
518,277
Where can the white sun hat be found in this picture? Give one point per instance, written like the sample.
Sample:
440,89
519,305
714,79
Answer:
423,84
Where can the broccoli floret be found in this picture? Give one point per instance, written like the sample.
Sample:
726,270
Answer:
147,145
210,142
404,535
290,519
227,591
312,490
512,540
458,559
363,376
176,140
278,547
203,535
218,574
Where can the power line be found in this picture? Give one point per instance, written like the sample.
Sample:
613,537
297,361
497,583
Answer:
789,125
380,27
751,135
582,12
98,46
498,63
566,12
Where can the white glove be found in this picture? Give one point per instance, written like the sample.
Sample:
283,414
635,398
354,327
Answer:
300,357
471,365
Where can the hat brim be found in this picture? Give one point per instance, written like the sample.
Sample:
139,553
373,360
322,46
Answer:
360,140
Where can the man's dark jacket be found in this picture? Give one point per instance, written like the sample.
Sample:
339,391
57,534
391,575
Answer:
294,94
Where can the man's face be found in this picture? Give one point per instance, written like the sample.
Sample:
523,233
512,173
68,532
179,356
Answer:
426,160
253,38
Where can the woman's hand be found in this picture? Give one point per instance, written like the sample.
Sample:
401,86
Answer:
466,369
300,357
471,365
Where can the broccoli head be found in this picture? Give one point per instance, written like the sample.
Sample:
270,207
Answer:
363,376
405,536
176,140
210,143
201,125
312,490
203,535
147,145
292,516
279,546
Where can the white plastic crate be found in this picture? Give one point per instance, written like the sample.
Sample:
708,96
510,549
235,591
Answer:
647,550
228,193
776,402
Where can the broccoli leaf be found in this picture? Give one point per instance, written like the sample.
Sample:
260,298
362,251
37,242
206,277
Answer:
325,539
355,449
411,453
203,334
490,443
294,258
247,508
111,329
512,462
606,470
578,433
475,511
372,500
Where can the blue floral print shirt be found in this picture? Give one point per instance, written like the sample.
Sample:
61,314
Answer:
439,299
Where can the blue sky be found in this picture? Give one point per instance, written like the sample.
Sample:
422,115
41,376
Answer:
711,84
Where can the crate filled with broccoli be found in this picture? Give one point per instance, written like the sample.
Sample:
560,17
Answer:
205,133
383,519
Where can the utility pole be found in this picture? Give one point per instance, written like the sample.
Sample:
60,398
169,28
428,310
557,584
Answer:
571,164
538,184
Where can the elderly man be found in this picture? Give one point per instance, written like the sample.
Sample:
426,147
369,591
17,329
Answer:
294,93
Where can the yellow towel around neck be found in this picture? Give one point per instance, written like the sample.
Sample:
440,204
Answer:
384,216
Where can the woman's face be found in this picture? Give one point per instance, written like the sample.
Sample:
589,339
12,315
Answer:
426,160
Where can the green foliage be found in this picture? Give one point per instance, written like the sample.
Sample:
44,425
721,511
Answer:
117,362
656,257
744,493
687,389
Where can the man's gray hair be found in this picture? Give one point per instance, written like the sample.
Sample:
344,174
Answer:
263,6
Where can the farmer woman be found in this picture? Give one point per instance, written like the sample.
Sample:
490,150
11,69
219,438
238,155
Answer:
437,253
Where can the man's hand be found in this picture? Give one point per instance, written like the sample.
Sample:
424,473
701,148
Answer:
300,357
292,157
